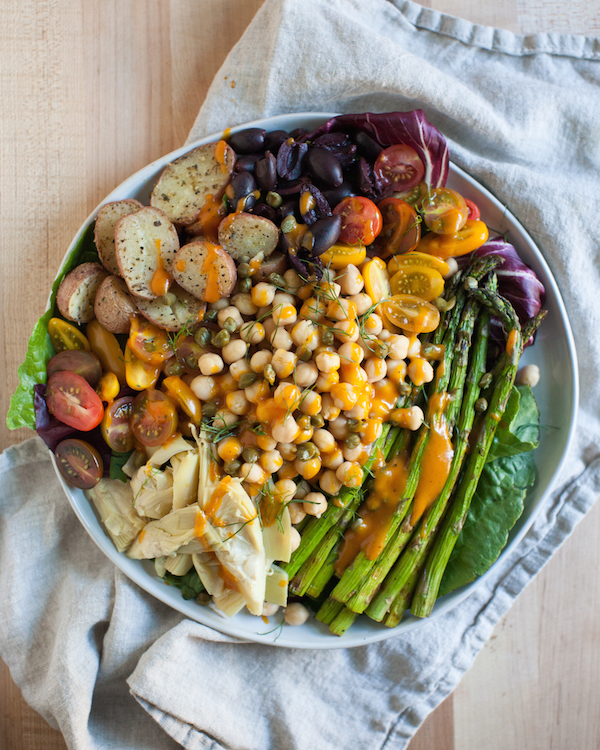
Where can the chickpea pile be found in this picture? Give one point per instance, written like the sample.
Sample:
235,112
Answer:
307,373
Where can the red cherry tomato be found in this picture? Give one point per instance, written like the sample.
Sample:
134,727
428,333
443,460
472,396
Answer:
399,166
72,400
116,425
79,463
154,417
473,209
401,228
361,220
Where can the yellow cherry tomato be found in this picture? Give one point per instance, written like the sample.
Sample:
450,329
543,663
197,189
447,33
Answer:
65,336
109,387
422,281
473,235
184,397
149,342
377,279
417,259
340,256
444,211
106,347
139,374
411,313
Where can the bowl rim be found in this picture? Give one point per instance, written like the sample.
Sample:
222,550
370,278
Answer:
154,586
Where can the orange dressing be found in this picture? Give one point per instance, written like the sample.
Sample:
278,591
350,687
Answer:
243,202
210,216
307,202
230,581
221,155
212,291
384,400
271,507
142,535
511,342
208,512
161,281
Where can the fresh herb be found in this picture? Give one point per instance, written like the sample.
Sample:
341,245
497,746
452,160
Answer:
117,461
189,584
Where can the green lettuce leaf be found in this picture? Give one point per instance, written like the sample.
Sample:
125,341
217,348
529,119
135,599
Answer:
190,584
520,427
117,462
39,349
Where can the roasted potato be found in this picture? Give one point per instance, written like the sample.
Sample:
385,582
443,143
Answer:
146,243
104,231
184,185
276,263
205,270
77,291
245,235
114,305
173,311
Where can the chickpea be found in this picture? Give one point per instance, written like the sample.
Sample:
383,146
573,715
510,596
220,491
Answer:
305,333
373,324
302,490
283,299
414,347
295,540
338,427
324,440
328,409
220,304
351,281
376,369
528,375
283,363
281,339
351,353
420,371
398,346
297,513
266,443
210,364
329,483
252,332
296,614
349,474
285,489
306,374
314,309
238,368
396,370
362,302
327,361
230,312
341,309
353,454
315,504
333,459
269,610
270,327
224,418
257,392
238,403
310,403
271,461
234,350
260,359
344,395
253,474
292,280
284,430
287,451
263,294
308,469
204,387
347,331
411,418
385,334
244,303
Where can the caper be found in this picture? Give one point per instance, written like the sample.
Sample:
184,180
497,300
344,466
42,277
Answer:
230,325
210,315
352,440
202,336
245,285
269,374
277,280
288,224
244,270
404,389
317,421
232,467
307,451
303,353
204,599
327,337
304,422
168,299
486,379
379,348
481,404
247,379
209,409
354,425
221,338
273,199
191,360
173,367
250,455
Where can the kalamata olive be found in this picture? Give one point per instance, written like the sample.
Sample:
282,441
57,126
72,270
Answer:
274,139
325,233
248,141
365,179
290,159
313,204
334,195
265,173
247,163
289,208
261,209
324,166
275,263
340,145
242,185
367,146
79,361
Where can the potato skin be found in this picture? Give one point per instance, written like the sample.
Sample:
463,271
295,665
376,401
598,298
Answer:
187,312
113,305
276,263
104,230
77,291
245,235
205,270
183,186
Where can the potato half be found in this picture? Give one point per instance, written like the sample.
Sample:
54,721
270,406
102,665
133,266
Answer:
77,291
113,305
104,230
205,270
172,315
245,235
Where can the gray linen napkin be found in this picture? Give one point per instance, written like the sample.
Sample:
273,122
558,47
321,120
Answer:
521,115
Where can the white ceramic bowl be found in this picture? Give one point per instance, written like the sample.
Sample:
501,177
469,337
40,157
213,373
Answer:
556,395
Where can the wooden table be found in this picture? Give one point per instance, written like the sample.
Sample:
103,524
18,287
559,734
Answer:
92,90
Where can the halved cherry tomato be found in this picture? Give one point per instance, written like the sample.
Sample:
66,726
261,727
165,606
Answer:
109,387
401,227
421,281
72,400
361,220
65,336
149,342
154,418
139,374
417,259
79,463
473,235
106,347
116,425
473,209
184,397
411,313
415,195
399,166
80,361
340,256
444,211
377,279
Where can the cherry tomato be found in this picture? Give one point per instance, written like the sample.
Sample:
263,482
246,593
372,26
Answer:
116,425
154,418
415,195
377,279
417,259
79,361
105,346
72,400
340,256
399,166
421,281
444,211
65,336
411,313
474,234
139,374
184,397
401,228
109,387
473,209
149,342
361,220
79,463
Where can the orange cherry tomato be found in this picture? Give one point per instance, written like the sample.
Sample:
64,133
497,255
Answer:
139,374
65,336
411,313
106,347
154,418
417,259
340,256
421,281
361,220
184,397
415,195
401,228
473,235
149,342
444,211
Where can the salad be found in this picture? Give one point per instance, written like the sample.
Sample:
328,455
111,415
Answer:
293,379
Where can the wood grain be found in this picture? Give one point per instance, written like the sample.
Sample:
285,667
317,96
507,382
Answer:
93,90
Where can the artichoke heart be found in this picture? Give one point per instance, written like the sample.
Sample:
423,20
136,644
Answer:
113,500
166,535
152,491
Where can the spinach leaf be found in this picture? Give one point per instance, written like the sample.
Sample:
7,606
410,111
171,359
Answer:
519,430
39,349
117,461
190,584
